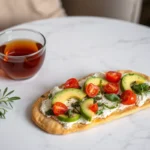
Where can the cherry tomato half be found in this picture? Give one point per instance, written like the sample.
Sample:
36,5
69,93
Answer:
111,88
94,107
128,97
71,83
59,108
92,90
113,76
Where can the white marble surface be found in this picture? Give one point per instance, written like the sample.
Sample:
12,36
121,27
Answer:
76,47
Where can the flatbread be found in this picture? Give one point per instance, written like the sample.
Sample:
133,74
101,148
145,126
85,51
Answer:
52,126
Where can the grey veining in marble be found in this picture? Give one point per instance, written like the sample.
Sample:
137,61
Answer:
77,47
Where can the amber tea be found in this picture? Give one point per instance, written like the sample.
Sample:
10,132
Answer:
27,60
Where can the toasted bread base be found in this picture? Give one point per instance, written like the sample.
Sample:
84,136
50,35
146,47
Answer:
52,126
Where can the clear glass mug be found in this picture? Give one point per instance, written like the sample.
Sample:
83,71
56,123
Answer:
22,53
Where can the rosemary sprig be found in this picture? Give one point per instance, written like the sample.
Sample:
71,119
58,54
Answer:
7,101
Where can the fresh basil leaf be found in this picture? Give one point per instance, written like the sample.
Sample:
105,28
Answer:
140,88
113,97
111,107
99,112
96,99
100,104
49,112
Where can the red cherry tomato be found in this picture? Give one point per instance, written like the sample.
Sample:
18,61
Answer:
94,107
59,108
71,83
111,88
128,97
113,76
92,90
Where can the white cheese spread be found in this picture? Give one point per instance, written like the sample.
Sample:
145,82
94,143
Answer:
69,102
46,105
55,90
141,99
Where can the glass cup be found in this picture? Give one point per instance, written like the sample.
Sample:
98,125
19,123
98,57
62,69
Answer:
22,52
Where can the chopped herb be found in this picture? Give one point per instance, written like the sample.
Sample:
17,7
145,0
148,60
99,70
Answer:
76,104
113,97
140,88
107,106
100,104
76,110
110,107
49,112
50,96
69,113
101,87
97,98
99,112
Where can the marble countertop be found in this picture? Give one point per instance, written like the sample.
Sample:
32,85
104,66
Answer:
76,47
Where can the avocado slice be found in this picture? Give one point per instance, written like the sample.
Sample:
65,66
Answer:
85,111
66,94
65,118
130,78
96,81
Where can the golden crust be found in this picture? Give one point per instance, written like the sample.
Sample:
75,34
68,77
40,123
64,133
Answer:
54,127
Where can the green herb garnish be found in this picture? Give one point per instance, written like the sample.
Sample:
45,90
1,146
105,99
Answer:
50,96
107,106
140,88
49,112
101,87
110,107
113,97
75,107
96,99
7,101
99,112
100,104
69,113
76,104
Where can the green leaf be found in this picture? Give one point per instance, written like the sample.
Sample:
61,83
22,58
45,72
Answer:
5,103
100,104
2,113
76,104
101,87
49,112
5,91
69,113
140,88
14,98
113,97
99,112
9,93
10,105
111,107
96,99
